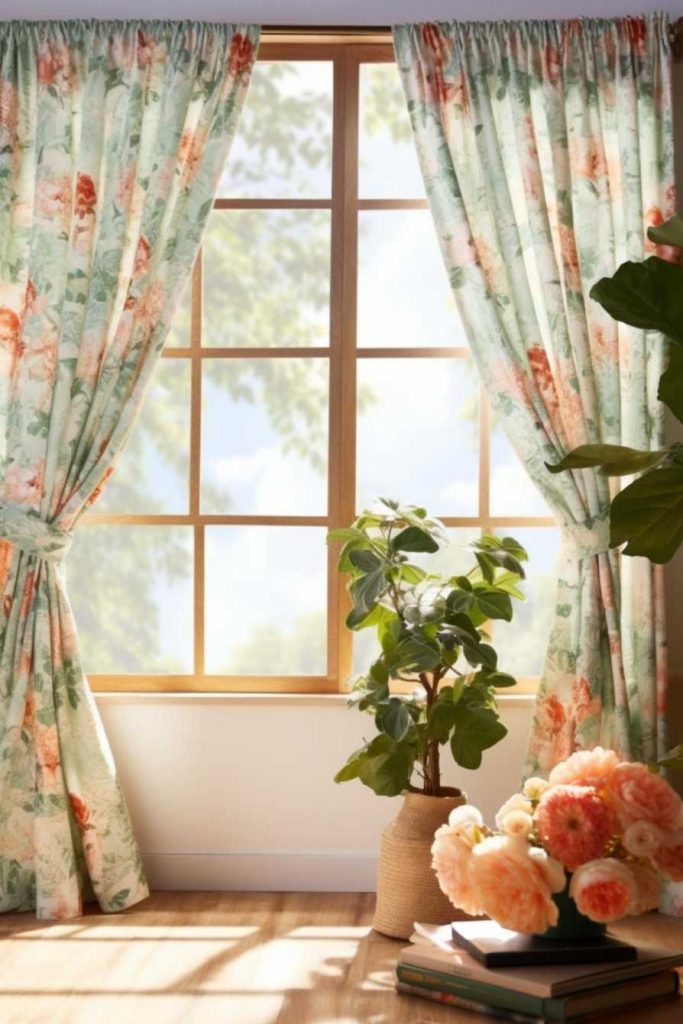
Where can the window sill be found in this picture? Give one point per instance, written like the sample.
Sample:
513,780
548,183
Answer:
104,697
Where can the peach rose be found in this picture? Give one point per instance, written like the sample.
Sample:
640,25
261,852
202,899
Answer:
604,889
669,856
648,886
517,802
585,768
513,883
534,788
639,794
517,823
642,839
452,854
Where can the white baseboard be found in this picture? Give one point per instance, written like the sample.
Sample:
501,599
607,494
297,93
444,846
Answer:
262,871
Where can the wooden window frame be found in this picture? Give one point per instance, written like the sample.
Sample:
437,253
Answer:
347,53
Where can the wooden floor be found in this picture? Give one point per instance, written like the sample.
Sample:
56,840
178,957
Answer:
231,958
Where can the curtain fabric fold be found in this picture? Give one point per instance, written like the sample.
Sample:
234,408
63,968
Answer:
547,150
112,139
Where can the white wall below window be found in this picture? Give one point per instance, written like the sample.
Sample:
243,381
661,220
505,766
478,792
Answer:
227,793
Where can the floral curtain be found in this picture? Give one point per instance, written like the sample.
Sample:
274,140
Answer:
547,150
112,139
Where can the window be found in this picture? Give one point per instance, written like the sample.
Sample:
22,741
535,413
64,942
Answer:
317,361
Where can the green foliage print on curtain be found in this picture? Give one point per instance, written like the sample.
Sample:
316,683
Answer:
112,140
547,151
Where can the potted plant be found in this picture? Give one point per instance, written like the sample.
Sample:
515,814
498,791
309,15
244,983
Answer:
432,633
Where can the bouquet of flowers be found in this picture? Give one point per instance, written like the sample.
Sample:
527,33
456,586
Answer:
606,829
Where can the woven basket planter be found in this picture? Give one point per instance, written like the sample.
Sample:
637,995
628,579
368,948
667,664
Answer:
407,889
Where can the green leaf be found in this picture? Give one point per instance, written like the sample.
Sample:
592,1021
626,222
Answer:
389,633
672,759
671,383
351,769
499,679
476,729
514,548
460,600
647,295
508,581
364,559
387,766
394,719
494,603
487,566
365,590
441,720
649,515
414,539
668,233
413,655
613,459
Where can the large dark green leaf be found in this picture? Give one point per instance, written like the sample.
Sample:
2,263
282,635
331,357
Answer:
414,539
387,766
441,720
671,382
668,233
476,729
412,655
494,604
394,719
649,515
365,590
365,560
647,295
613,459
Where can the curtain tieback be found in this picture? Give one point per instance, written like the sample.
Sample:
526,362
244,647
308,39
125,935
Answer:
591,537
27,531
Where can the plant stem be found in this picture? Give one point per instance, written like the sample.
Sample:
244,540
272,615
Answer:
432,771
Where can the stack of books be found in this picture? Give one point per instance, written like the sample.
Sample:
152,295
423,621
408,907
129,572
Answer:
438,968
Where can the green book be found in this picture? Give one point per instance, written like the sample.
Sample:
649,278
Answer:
521,1006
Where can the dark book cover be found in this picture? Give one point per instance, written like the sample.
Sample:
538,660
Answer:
494,946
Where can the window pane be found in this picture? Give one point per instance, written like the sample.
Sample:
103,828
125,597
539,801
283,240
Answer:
451,559
264,436
388,167
267,278
512,491
283,146
521,643
266,600
152,475
131,589
404,297
179,333
418,434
